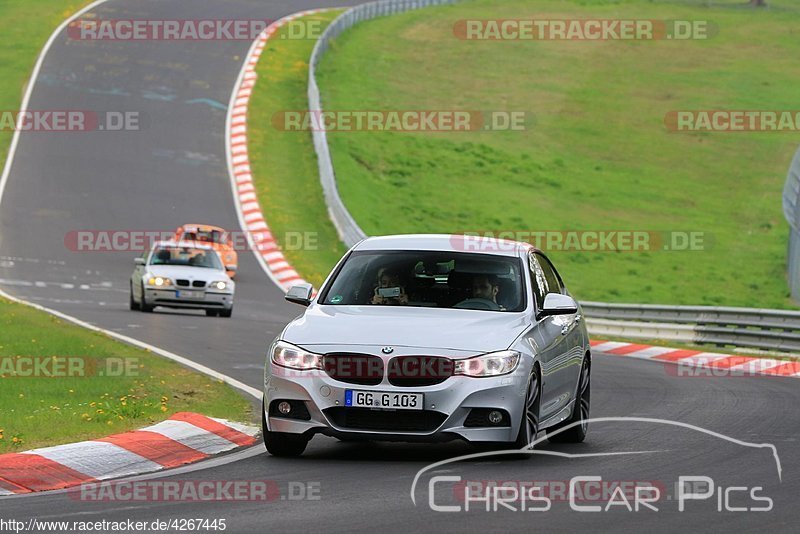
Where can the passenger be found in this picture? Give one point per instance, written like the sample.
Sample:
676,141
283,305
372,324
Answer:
389,280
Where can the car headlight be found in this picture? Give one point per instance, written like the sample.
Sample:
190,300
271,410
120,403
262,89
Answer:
287,355
159,281
220,285
492,364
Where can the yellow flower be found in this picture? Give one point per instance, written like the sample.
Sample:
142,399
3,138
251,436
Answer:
21,396
163,408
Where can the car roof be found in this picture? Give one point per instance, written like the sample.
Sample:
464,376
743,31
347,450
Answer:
445,242
191,244
201,227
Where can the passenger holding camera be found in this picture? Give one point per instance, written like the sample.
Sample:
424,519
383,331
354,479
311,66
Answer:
389,291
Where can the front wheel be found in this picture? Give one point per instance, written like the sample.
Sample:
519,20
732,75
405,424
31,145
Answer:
578,423
132,303
529,426
281,443
143,304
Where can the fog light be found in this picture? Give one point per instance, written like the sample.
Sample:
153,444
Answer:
284,407
495,417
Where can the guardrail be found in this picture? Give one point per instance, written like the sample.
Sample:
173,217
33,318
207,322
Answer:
742,327
349,231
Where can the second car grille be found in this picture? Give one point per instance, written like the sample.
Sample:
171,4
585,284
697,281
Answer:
417,371
198,283
387,420
361,369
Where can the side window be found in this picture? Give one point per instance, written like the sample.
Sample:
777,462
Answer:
538,279
550,274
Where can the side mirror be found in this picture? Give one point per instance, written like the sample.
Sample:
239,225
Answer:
138,261
558,304
231,268
300,294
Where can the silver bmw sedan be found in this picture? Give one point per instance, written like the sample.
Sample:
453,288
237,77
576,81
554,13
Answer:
431,338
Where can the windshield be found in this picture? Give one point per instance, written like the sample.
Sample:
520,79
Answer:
204,236
189,256
431,279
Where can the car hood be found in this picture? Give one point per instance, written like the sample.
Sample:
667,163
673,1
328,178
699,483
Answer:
185,271
462,330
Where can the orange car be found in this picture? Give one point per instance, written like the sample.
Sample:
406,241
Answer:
214,236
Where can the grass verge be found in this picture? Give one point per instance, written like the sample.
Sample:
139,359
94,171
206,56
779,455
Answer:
599,156
284,163
97,385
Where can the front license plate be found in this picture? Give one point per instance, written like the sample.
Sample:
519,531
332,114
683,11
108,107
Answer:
383,399
189,294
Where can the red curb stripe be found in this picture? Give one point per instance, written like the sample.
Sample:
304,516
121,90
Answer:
785,369
627,349
730,361
37,473
676,355
208,424
595,342
156,448
10,486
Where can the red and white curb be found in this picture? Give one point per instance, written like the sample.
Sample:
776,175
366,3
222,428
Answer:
182,439
715,363
251,217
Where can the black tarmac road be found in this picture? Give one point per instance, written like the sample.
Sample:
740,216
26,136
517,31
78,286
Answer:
174,171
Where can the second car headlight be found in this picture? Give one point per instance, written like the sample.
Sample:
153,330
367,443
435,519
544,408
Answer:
159,281
492,364
219,285
287,355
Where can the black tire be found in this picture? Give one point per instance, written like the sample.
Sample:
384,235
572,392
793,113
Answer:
143,306
529,426
580,413
281,443
132,303
212,313
226,313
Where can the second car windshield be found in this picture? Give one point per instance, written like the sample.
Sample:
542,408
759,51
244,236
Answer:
188,256
429,279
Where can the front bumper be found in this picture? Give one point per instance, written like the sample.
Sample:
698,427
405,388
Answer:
171,298
447,405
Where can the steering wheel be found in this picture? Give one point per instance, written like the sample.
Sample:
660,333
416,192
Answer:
478,304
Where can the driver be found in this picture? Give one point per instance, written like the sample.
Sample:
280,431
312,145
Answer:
486,287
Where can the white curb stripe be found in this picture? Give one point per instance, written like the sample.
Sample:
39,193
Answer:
192,436
97,459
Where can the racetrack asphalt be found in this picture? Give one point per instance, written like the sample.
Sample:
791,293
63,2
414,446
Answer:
174,171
